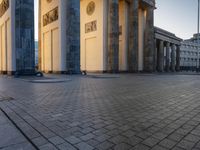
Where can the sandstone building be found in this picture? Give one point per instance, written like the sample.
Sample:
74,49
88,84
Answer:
113,34
78,35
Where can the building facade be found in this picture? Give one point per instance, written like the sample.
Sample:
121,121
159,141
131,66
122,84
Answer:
115,35
189,57
167,51
78,35
16,36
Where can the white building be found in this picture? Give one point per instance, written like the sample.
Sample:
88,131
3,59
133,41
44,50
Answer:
189,54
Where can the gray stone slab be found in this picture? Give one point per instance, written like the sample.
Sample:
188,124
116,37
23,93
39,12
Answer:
10,135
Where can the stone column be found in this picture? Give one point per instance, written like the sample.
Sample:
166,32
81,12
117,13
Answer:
113,36
167,57
73,36
149,41
155,55
178,58
24,37
161,56
133,36
173,58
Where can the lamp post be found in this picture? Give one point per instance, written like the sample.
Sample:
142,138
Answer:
198,40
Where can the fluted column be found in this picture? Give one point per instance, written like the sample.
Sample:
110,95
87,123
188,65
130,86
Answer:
113,36
161,56
173,58
178,58
73,36
149,41
133,36
167,57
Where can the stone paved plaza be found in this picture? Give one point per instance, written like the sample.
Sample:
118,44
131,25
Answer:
121,112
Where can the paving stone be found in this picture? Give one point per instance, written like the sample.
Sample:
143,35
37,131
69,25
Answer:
66,146
122,146
157,147
176,137
102,138
177,148
128,133
56,140
84,146
192,138
144,134
167,143
186,144
160,135
134,140
151,141
118,139
48,146
104,146
73,140
39,141
87,130
93,142
87,137
141,147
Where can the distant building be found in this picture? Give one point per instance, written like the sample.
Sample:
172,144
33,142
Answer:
167,51
189,54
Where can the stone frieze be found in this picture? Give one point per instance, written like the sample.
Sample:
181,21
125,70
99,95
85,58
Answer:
4,7
50,17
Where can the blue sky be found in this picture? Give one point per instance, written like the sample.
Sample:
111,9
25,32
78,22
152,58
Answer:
176,16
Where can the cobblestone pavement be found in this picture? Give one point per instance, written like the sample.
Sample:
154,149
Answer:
137,112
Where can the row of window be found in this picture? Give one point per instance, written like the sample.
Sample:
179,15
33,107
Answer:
189,59
189,46
189,53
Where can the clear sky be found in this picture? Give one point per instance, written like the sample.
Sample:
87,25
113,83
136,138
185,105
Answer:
176,16
36,19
